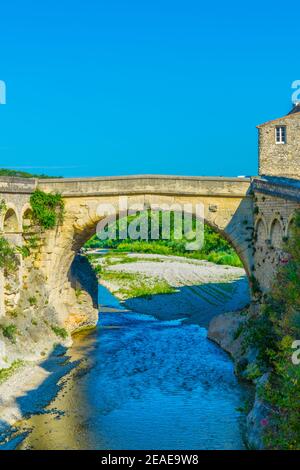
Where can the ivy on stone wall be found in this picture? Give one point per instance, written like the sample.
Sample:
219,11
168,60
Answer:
8,257
47,209
2,206
272,333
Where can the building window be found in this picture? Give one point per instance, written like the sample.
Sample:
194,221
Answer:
280,133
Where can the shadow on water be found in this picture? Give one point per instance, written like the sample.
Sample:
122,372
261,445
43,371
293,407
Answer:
139,380
196,303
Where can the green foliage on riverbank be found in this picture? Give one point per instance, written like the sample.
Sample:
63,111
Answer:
6,373
60,332
216,249
22,174
47,209
9,332
273,332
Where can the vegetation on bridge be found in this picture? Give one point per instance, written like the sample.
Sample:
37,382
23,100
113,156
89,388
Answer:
47,212
8,257
47,209
273,332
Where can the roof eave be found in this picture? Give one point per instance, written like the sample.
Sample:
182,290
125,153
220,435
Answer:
278,119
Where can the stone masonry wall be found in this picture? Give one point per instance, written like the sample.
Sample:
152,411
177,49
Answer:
280,159
273,222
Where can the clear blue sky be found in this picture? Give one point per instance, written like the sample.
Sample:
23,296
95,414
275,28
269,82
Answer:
163,86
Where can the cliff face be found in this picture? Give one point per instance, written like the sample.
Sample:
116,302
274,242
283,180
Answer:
29,330
83,277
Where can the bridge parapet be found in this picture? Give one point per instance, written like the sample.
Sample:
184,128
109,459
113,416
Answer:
148,184
14,185
285,188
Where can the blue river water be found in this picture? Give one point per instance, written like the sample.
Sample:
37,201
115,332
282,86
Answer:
136,382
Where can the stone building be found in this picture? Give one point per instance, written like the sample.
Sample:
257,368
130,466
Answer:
279,146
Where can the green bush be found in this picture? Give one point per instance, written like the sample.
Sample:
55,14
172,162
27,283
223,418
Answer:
47,209
32,301
6,373
61,332
272,332
23,174
24,251
9,332
216,249
8,258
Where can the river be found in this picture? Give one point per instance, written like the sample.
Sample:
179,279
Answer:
135,382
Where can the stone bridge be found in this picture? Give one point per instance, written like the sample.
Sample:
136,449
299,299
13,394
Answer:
227,202
254,215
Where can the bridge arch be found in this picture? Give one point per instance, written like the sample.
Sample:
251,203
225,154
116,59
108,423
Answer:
27,218
11,279
84,232
80,224
289,226
10,222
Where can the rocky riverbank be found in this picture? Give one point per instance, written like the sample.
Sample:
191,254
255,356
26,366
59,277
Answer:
29,332
228,331
31,335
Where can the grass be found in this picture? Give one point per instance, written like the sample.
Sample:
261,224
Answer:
118,276
59,331
228,257
6,373
144,289
9,332
115,258
32,301
216,250
137,285
132,284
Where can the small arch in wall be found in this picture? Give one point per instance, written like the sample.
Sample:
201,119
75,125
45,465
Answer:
289,226
27,219
276,233
10,221
261,231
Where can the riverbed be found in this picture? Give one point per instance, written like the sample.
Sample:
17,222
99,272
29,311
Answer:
137,381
